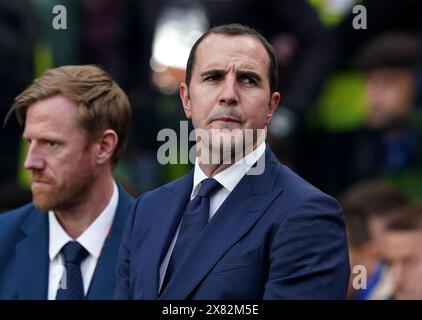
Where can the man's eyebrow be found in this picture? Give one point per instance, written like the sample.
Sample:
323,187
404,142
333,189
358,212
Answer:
242,73
212,72
44,138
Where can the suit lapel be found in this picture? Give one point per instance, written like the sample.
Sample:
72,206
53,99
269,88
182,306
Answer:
103,281
236,216
32,257
164,226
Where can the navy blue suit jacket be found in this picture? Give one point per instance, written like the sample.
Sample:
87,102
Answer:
24,260
275,237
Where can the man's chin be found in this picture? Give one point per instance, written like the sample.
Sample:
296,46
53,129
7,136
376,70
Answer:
42,206
222,153
42,202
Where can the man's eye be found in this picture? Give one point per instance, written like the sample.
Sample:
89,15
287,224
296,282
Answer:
247,80
51,144
212,78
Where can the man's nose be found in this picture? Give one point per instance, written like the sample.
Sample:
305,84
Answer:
229,92
34,159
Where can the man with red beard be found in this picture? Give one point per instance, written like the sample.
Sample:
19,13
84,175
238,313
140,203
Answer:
64,244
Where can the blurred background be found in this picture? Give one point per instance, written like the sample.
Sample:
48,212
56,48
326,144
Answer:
349,118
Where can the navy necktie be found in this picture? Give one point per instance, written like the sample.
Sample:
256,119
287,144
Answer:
194,220
72,287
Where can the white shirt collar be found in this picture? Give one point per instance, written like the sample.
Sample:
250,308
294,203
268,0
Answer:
92,239
231,176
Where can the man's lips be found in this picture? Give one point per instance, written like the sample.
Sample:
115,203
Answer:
227,119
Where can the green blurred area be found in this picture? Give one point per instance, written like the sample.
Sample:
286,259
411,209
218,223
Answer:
341,106
409,181
332,12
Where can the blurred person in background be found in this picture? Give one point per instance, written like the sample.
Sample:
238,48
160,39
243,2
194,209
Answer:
390,143
64,244
366,207
402,251
387,143
340,109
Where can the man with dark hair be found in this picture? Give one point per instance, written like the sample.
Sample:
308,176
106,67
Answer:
64,245
237,30
366,206
402,251
390,63
239,226
390,142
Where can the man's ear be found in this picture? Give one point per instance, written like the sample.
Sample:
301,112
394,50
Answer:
107,144
184,96
274,102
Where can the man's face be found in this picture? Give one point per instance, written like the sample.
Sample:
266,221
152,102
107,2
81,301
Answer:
229,88
390,94
61,164
402,250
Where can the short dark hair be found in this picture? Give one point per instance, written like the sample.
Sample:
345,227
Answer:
366,199
357,225
390,50
377,197
235,29
408,218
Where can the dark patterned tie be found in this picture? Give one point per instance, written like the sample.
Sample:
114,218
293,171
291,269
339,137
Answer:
194,220
72,288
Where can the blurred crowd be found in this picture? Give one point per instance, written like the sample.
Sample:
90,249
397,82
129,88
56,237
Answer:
349,122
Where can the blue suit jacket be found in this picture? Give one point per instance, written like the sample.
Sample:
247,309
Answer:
275,237
24,260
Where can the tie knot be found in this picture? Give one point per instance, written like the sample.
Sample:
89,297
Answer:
208,186
73,252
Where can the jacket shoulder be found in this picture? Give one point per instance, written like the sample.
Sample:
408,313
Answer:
300,192
12,221
15,216
174,185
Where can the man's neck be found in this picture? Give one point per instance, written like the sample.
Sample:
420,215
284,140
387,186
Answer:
77,219
213,169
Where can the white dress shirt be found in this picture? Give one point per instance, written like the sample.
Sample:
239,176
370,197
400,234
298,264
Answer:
228,178
92,239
